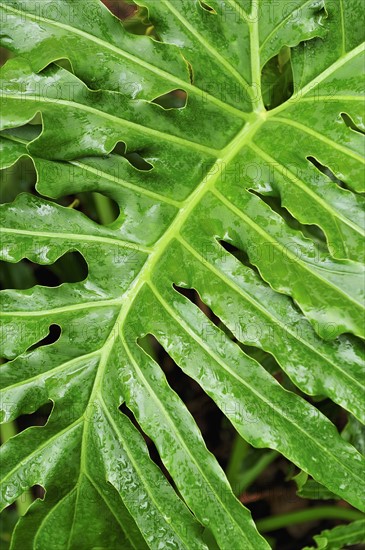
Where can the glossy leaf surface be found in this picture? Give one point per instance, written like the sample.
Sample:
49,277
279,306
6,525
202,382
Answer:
260,211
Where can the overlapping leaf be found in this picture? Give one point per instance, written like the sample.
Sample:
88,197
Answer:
213,163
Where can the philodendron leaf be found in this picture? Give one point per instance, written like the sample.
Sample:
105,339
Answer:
210,169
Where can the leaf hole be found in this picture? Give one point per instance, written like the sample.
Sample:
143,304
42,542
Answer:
28,132
152,449
310,231
266,359
274,202
351,124
18,276
327,172
20,176
38,491
194,297
15,179
36,123
277,82
5,54
121,10
176,99
36,418
241,255
65,64
99,207
119,149
207,8
216,430
69,268
190,70
135,19
53,335
136,158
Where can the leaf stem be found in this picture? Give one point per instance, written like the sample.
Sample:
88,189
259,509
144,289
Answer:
257,102
262,463
8,430
239,479
239,451
104,208
309,514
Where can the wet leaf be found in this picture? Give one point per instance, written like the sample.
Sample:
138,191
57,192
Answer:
192,181
340,537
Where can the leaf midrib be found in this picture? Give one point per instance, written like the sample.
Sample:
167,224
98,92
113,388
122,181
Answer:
144,274
174,228
97,397
229,152
190,203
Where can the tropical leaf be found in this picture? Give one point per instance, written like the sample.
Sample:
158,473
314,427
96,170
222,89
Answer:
218,175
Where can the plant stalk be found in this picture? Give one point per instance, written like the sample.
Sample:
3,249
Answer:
309,514
262,463
239,451
104,208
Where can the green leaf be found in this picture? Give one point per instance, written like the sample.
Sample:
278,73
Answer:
308,488
354,432
210,168
340,537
